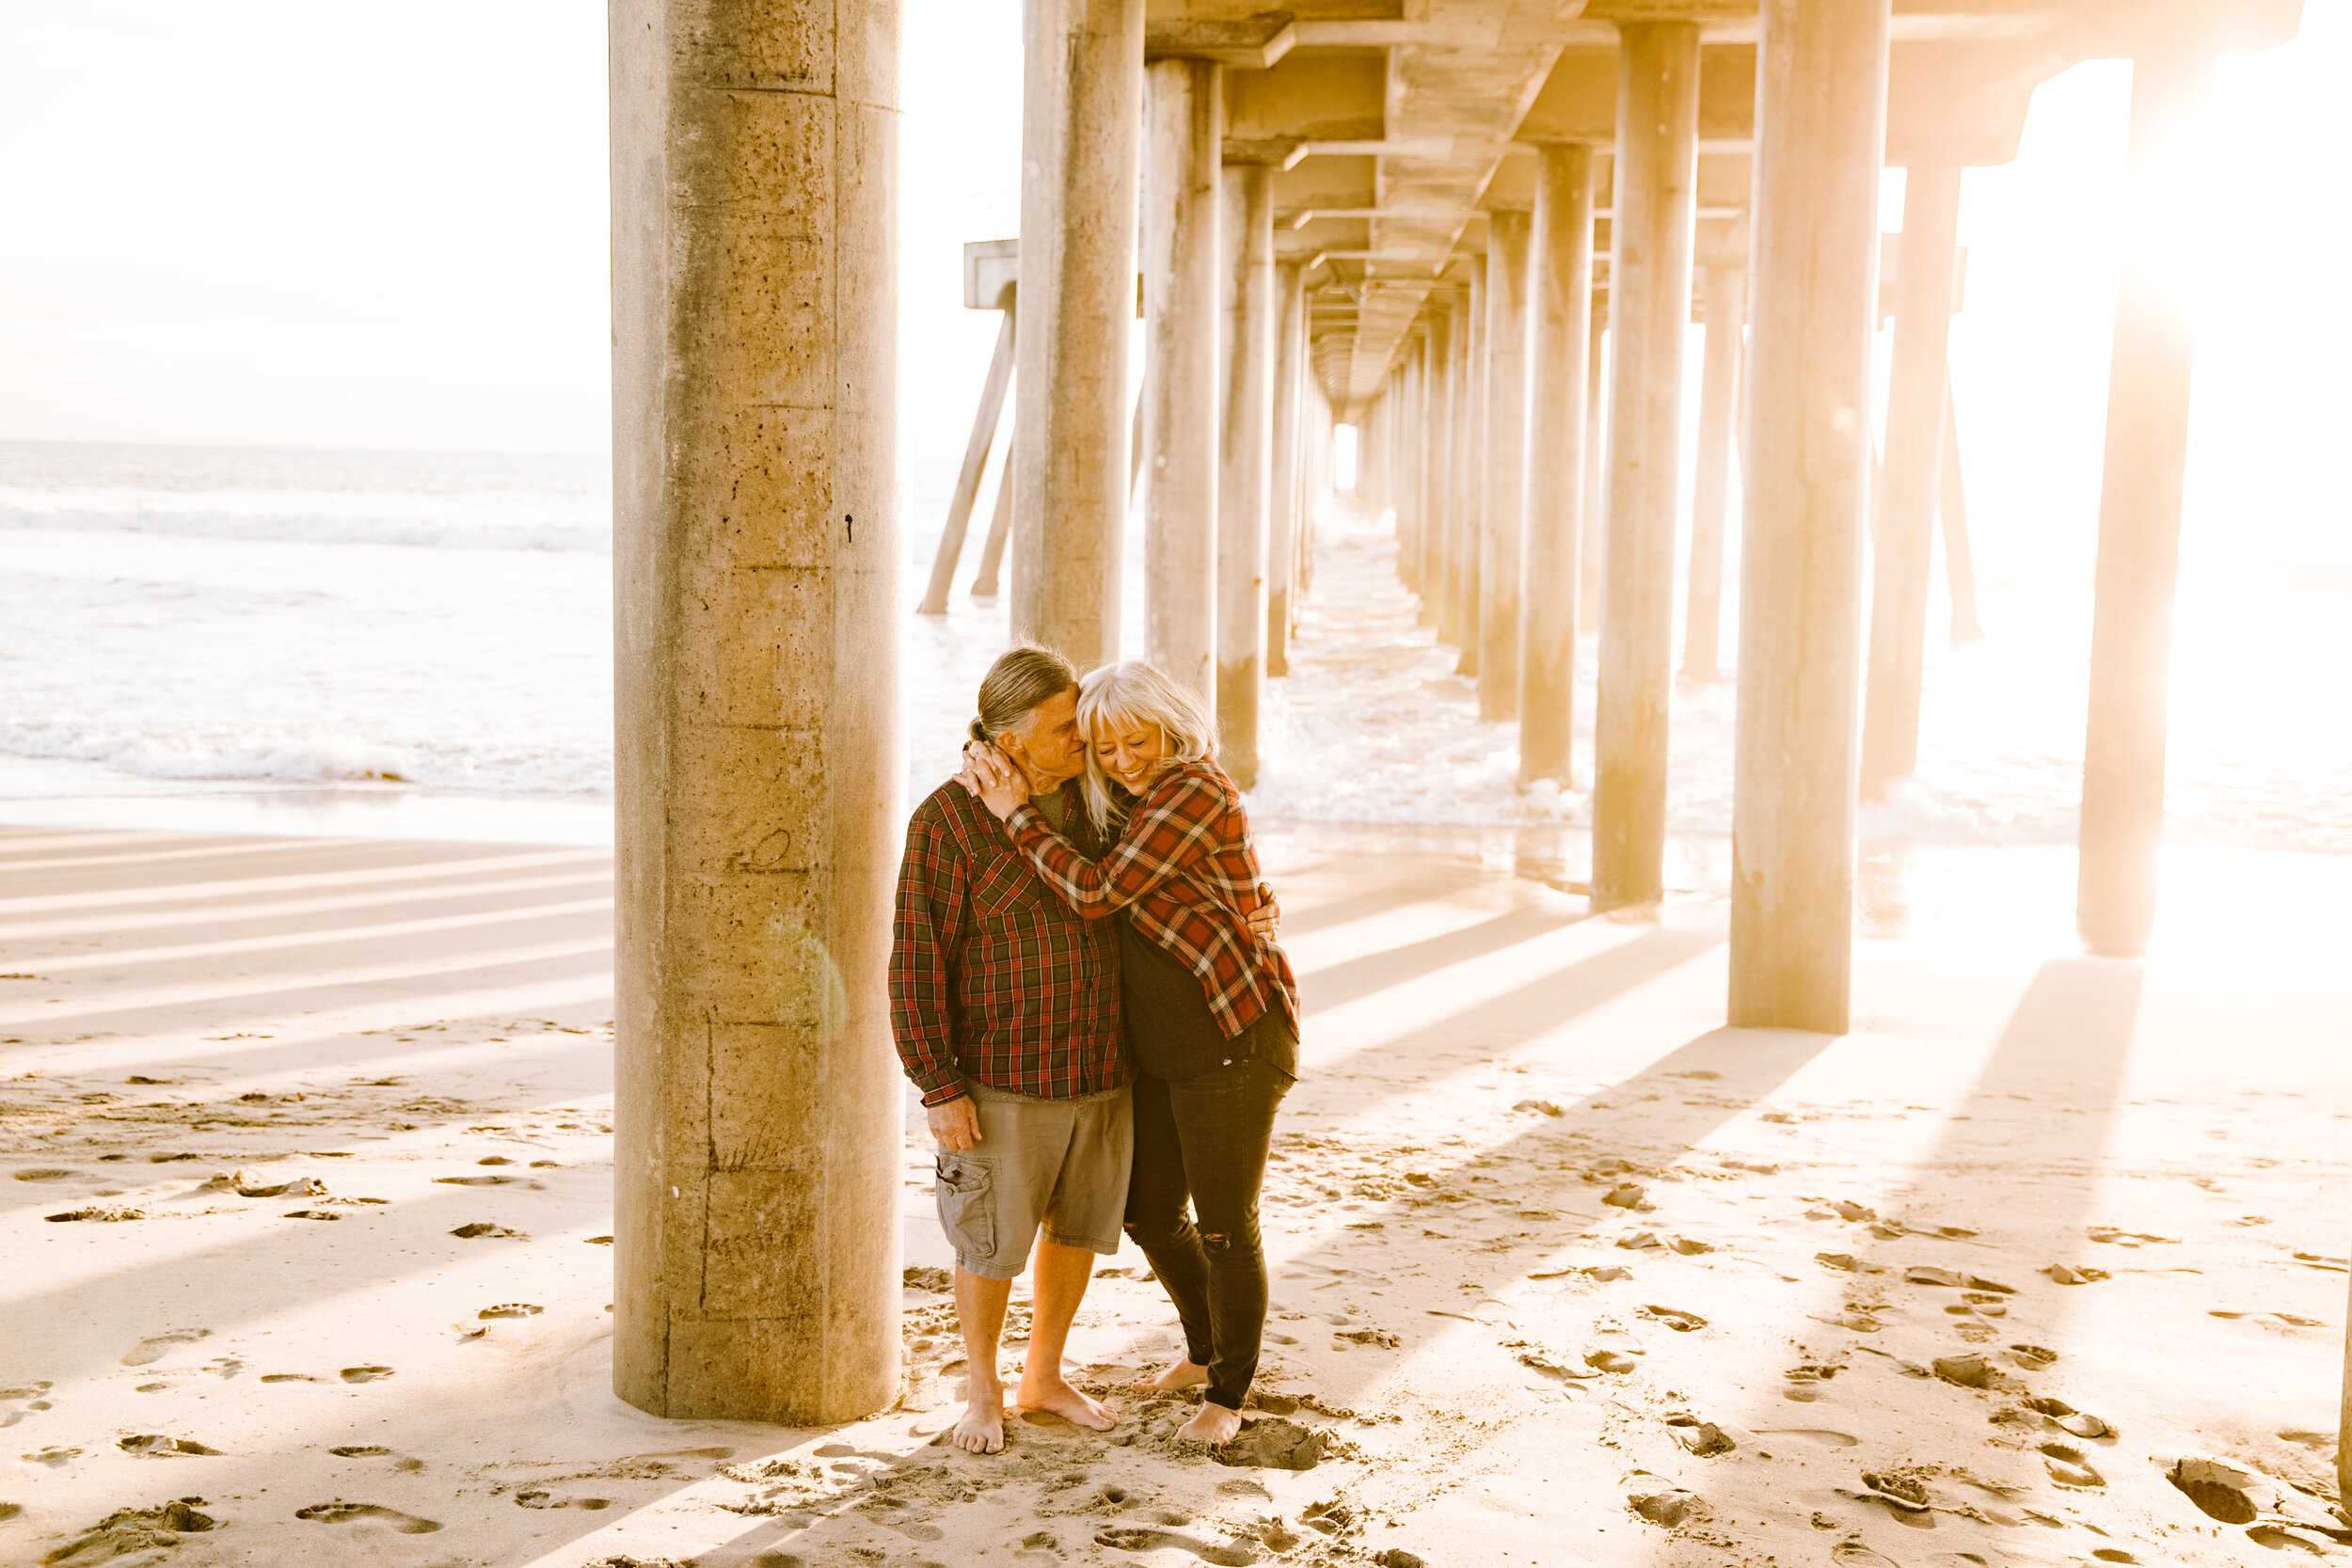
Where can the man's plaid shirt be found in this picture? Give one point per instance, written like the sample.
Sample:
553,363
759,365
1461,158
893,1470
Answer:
1188,874
992,979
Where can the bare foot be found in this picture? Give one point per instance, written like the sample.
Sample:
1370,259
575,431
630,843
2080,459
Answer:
981,1428
1179,1373
1214,1425
1062,1399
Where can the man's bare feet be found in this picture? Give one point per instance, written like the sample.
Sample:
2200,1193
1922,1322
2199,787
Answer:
1214,1425
1055,1394
1179,1374
982,1427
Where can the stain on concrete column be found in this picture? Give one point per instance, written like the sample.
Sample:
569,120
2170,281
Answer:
756,555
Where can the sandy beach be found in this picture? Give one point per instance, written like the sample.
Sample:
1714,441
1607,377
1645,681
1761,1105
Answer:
311,1167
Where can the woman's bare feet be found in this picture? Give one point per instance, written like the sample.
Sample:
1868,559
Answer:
1179,1374
1214,1425
1055,1395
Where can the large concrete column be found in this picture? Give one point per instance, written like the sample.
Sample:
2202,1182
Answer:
1082,113
1562,314
1821,132
1456,438
1588,594
1282,527
1437,450
2139,537
1503,519
1245,468
1905,541
1725,295
1649,295
1960,562
756,561
1471,526
1183,142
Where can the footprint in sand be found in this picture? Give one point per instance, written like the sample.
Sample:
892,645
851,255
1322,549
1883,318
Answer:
135,1529
1675,1318
57,1459
148,1352
155,1445
468,1232
44,1173
536,1498
291,1377
1853,1553
1818,1435
1154,1539
511,1309
2068,1467
340,1512
2073,1422
1700,1439
365,1374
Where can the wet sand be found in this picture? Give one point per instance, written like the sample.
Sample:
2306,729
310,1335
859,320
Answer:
1565,1271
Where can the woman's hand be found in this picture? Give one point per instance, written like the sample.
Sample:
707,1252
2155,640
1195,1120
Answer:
1265,921
990,775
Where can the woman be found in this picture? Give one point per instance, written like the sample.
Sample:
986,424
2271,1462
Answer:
1212,1010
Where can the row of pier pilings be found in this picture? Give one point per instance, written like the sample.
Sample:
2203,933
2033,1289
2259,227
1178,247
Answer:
759,546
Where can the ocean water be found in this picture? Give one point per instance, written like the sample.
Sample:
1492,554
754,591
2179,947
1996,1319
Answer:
228,618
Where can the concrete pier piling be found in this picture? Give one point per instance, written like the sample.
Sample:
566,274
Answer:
1471,454
1282,519
1245,464
1081,122
1821,132
2139,534
1649,294
1724,293
1562,313
934,601
1905,539
1503,519
1437,453
758,563
1183,143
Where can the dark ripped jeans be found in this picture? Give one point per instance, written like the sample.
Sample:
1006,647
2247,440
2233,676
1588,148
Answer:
1203,1140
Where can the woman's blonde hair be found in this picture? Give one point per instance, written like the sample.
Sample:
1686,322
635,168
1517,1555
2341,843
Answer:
1119,696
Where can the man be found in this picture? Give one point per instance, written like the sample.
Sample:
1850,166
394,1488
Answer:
1006,1008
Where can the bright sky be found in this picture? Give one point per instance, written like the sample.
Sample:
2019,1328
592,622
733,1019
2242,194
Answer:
366,224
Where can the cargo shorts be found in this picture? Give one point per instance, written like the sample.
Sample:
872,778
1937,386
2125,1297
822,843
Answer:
1060,1164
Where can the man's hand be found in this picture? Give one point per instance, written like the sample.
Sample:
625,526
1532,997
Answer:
955,1123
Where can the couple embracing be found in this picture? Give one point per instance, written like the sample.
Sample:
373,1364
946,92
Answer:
1084,986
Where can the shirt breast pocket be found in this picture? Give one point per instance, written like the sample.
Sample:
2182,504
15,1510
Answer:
1006,894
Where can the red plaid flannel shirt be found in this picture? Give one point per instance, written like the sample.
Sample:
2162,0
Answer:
992,979
1187,870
